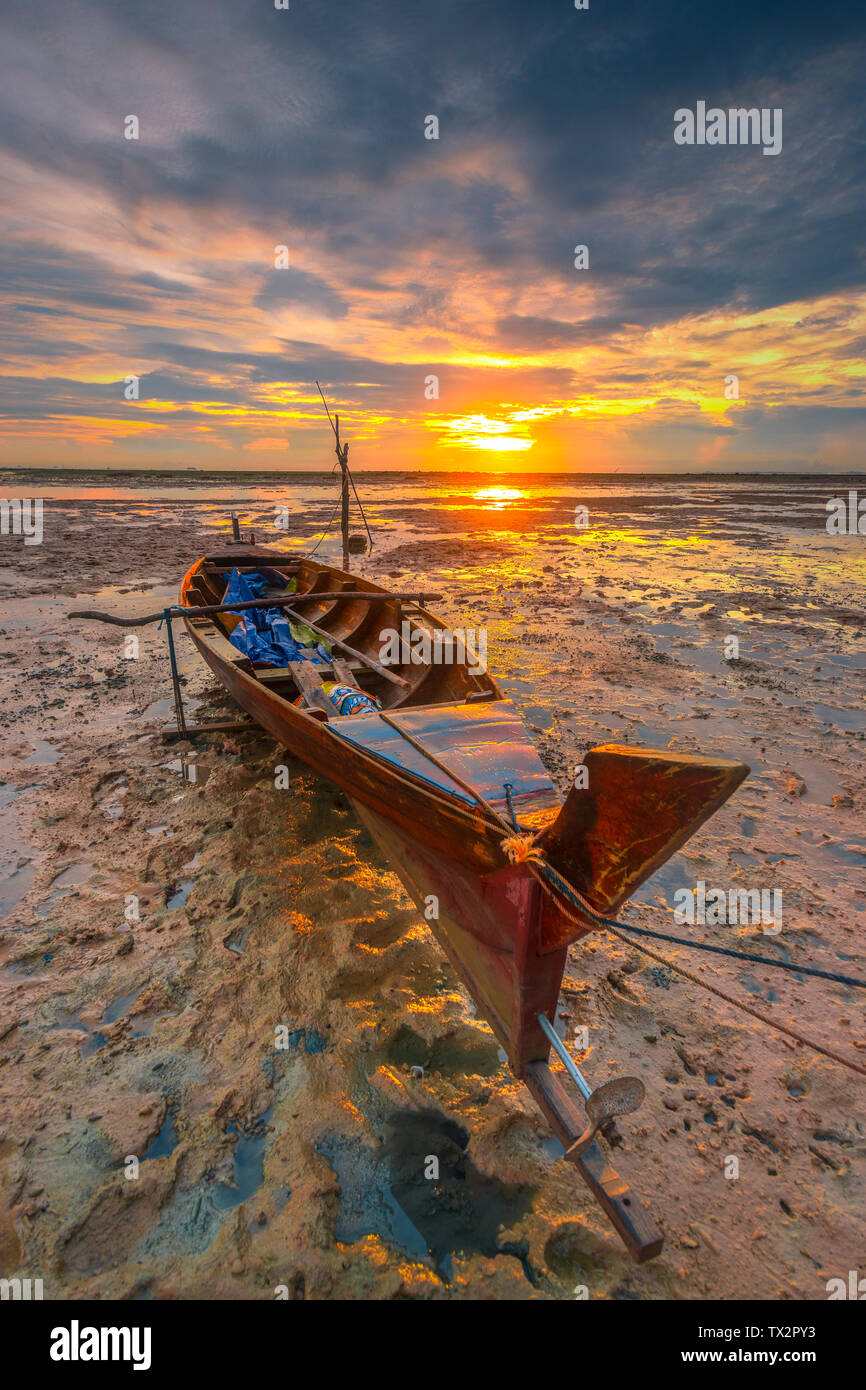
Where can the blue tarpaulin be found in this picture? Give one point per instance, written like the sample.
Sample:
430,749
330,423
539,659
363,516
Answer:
264,634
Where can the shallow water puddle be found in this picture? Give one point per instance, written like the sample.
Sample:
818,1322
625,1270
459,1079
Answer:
669,879
118,1007
552,1148
538,716
387,1193
367,1203
158,709
145,1023
764,992
849,853
181,893
249,1164
29,965
189,768
96,1039
821,783
72,874
237,940
69,877
166,1140
851,720
16,885
192,1217
93,1040
163,707
43,752
16,851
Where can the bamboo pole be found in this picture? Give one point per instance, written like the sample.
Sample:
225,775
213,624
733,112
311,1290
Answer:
343,456
170,613
210,609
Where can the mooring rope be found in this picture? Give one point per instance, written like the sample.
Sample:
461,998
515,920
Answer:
616,928
746,1008
613,923
326,530
526,852
361,505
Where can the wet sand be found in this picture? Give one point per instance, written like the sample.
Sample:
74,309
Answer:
250,1037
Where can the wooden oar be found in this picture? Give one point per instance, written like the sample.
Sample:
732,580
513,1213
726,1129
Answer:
344,647
208,610
275,602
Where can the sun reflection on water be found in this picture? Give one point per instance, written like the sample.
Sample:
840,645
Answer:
497,497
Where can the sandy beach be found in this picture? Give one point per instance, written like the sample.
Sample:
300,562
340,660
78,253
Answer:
169,913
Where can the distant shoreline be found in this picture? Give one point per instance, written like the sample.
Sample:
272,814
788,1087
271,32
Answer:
276,475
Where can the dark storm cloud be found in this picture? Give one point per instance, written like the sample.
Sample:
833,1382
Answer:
556,128
318,104
525,333
300,364
281,287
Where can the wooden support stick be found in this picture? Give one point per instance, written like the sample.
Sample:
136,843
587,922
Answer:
214,726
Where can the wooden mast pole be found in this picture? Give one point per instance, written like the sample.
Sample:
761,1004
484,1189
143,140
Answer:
342,451
343,456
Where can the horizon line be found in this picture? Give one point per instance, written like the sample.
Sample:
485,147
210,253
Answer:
435,472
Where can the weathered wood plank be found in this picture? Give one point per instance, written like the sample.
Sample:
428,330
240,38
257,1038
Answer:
342,671
310,685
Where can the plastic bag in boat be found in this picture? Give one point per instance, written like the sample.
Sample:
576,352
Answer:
264,634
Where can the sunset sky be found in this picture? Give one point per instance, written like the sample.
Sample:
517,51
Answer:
411,258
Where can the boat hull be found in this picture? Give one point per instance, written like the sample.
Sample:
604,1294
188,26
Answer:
504,928
487,917
511,988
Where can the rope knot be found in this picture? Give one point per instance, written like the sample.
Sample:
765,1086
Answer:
519,849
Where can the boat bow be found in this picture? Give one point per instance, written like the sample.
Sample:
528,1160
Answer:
636,809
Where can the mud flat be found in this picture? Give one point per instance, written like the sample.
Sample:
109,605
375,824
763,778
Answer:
219,987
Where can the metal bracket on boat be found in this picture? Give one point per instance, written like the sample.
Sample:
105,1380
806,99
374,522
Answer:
185,730
621,1096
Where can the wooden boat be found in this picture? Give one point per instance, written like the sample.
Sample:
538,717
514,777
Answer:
440,778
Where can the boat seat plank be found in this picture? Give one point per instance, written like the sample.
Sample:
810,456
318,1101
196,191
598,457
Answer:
342,671
221,644
270,675
486,744
309,682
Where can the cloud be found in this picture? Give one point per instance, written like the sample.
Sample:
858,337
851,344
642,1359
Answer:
411,257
